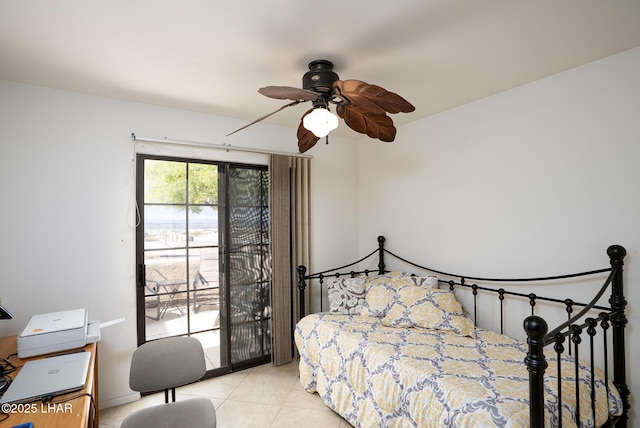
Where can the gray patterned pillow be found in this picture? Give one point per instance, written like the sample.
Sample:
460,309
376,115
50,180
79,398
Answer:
346,295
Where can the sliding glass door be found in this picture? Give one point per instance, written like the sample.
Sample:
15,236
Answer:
249,262
203,257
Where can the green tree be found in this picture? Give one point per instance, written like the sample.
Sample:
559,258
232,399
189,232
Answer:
166,183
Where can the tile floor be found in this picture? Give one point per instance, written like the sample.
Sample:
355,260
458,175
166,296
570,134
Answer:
260,397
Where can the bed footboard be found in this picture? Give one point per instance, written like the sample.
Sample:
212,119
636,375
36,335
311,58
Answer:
538,337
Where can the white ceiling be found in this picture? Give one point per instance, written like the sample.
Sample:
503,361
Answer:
212,56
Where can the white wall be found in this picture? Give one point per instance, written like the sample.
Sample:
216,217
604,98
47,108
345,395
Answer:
67,224
536,181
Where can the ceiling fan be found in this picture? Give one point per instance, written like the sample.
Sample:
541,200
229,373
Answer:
362,106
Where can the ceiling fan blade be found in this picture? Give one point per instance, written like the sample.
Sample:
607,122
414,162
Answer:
288,93
265,116
306,138
378,126
367,96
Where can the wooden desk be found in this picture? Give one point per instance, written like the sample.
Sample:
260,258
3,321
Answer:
79,412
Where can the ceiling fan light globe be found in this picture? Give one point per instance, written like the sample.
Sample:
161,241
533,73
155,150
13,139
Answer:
320,121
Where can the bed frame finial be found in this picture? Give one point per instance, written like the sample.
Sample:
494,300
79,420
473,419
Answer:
616,253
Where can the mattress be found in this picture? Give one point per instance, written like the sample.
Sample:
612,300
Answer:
379,376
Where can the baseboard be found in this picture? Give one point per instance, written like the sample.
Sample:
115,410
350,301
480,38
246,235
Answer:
130,398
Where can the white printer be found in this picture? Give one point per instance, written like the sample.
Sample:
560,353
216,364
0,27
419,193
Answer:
52,332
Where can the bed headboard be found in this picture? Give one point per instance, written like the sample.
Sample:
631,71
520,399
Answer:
539,335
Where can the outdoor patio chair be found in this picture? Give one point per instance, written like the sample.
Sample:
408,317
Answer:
166,364
161,286
206,283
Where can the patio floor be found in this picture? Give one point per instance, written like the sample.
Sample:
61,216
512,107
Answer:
174,323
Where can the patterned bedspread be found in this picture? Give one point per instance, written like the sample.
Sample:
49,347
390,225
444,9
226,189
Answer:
377,376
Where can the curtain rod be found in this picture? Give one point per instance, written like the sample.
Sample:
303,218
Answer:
227,147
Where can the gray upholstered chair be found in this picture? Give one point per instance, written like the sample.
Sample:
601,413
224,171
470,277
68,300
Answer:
165,364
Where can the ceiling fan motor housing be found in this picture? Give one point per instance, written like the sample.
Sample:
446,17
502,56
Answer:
320,76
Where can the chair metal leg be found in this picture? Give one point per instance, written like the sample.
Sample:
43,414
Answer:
162,309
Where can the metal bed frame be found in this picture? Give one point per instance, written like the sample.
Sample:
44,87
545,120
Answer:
610,319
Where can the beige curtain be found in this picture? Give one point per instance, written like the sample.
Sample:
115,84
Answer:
301,236
289,208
